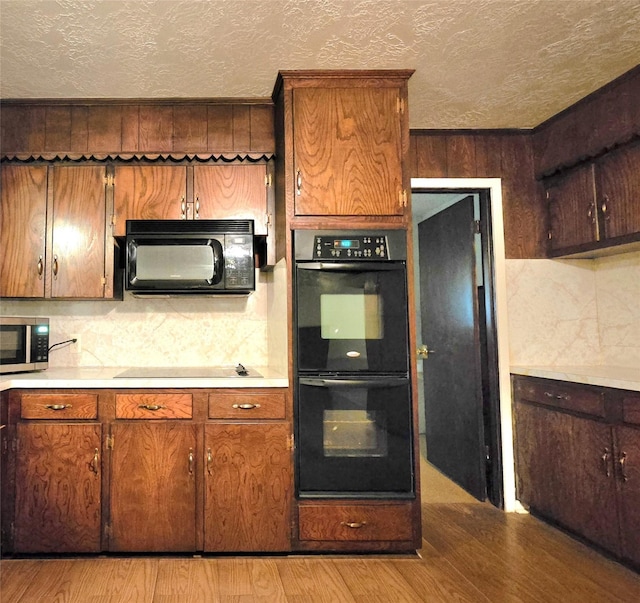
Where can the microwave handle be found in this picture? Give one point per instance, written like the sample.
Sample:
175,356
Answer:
350,266
369,383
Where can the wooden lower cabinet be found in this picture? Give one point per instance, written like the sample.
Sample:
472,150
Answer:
58,488
153,487
578,463
247,493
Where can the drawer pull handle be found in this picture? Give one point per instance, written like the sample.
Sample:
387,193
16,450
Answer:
152,407
621,463
354,525
190,461
57,406
246,406
94,464
557,396
298,183
605,461
209,461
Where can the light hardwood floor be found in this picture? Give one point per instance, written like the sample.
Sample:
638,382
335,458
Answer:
471,552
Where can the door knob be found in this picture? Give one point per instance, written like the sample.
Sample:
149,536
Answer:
423,351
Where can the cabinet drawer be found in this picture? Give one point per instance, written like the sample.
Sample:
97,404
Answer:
247,405
559,394
154,406
59,406
355,522
631,409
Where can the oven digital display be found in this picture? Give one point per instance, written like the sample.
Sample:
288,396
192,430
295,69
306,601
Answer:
346,244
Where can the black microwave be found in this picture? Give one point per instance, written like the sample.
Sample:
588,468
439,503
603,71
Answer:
172,257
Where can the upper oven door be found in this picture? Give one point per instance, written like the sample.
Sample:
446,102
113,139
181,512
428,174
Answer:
351,317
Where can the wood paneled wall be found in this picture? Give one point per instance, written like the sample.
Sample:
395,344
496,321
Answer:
490,154
82,127
608,117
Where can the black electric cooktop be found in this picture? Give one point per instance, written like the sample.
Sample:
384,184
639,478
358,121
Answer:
188,372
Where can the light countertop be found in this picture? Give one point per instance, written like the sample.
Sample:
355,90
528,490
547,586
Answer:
604,376
104,377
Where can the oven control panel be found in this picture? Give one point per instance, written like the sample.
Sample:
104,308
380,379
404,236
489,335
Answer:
359,247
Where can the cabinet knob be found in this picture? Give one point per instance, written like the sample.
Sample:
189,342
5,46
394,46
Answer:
94,465
606,454
622,459
298,182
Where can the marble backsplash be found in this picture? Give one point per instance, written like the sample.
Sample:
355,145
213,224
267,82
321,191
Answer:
575,312
178,331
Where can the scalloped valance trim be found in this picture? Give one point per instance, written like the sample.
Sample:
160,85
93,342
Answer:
120,156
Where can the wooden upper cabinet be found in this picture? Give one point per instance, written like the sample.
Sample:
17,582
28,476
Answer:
573,216
23,214
348,151
148,192
77,258
595,205
54,232
238,191
617,176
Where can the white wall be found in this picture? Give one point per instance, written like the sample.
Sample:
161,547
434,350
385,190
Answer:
575,312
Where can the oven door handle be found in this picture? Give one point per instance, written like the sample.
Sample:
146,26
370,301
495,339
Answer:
354,266
369,383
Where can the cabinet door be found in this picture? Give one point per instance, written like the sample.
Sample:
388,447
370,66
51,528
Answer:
77,263
572,209
231,191
347,151
543,452
628,467
23,211
593,509
58,487
247,487
153,487
618,186
148,192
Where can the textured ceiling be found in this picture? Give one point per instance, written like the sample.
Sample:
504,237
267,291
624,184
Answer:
479,63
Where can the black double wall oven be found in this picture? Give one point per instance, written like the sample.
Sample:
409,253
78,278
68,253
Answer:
353,393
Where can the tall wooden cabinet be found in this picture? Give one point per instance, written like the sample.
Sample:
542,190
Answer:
53,232
343,140
578,459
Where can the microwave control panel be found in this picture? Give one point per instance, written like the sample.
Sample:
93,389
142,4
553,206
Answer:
238,262
39,343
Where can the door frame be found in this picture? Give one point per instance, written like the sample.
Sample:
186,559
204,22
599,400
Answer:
494,187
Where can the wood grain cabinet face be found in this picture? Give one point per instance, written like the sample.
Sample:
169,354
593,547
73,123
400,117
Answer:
149,192
207,192
223,192
247,487
595,205
54,247
581,471
340,522
153,477
348,151
58,488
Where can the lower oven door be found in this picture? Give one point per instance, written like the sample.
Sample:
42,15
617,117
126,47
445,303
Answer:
354,437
